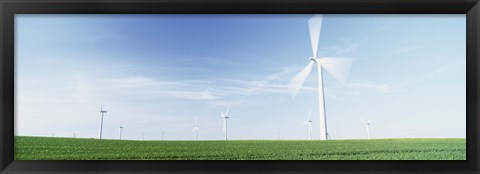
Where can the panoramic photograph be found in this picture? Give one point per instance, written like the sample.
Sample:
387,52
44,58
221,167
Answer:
240,87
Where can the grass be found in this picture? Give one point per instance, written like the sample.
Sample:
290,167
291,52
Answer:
45,148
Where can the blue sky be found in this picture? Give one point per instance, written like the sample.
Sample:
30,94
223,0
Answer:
156,73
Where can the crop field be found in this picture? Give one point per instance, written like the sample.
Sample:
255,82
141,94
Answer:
45,148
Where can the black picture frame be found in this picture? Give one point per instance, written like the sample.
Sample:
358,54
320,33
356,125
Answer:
9,8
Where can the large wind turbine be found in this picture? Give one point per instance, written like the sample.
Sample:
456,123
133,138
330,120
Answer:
339,68
195,129
367,125
101,122
225,118
308,123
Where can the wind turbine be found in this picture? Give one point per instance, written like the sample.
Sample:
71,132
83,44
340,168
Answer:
120,132
339,68
367,125
225,118
308,123
101,122
195,129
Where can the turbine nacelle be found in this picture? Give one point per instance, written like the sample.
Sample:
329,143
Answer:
367,122
101,109
315,59
224,116
325,60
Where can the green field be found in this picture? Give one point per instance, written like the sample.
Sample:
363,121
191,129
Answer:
44,148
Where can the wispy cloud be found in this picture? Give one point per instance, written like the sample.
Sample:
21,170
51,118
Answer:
134,82
270,83
435,72
211,60
193,95
382,88
232,103
393,88
346,46
406,49
82,89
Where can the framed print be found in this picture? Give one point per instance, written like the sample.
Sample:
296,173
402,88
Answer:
278,86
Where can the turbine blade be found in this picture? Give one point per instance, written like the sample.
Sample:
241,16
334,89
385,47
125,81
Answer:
370,120
296,83
315,25
228,109
339,68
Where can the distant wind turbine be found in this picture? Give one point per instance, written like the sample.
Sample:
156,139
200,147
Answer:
120,132
308,123
367,125
339,68
195,129
225,118
101,122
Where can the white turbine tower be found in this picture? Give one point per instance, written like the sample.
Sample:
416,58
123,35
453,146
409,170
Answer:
308,123
367,125
339,68
225,127
120,132
195,129
101,122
